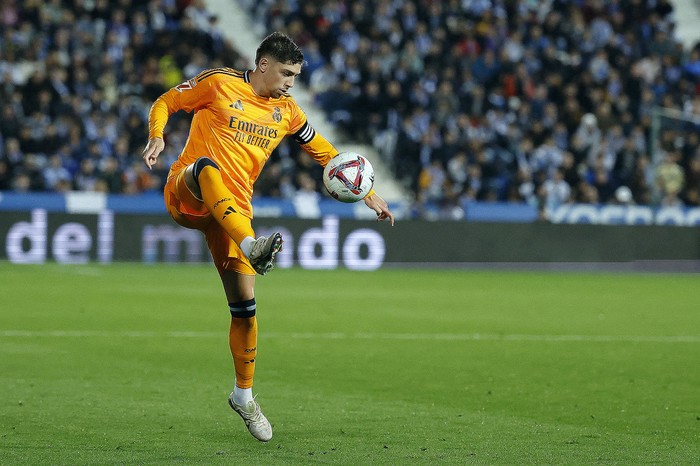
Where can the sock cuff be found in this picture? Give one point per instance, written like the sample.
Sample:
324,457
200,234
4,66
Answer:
199,165
242,309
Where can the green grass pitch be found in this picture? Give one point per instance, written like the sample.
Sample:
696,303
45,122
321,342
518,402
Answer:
129,364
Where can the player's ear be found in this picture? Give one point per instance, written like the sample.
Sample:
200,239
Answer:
263,63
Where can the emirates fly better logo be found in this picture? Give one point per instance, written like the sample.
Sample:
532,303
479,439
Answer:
339,173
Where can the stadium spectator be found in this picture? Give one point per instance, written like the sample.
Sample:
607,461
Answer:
670,179
556,191
56,175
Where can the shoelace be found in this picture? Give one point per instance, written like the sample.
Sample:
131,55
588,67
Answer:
257,414
257,247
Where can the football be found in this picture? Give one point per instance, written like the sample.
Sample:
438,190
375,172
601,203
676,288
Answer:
348,177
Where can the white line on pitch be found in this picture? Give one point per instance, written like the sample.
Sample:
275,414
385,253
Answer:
361,336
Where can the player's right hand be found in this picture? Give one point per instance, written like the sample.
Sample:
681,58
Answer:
150,154
379,205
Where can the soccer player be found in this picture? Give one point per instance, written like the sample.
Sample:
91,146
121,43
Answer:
239,119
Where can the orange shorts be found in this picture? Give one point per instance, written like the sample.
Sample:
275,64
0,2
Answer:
190,212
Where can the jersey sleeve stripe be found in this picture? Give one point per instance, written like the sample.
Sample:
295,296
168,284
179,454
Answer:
305,134
204,76
214,70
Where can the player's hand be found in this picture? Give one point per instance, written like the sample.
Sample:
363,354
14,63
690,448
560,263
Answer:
379,205
150,154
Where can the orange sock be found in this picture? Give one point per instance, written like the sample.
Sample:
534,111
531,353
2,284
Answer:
220,202
243,341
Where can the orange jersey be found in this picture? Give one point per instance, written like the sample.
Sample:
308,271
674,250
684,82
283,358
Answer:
235,127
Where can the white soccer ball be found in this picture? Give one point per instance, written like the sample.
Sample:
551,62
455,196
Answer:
348,177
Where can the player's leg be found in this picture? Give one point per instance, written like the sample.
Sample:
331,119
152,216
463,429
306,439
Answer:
204,180
238,279
243,334
243,341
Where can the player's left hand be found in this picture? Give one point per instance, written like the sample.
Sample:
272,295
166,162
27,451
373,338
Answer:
379,205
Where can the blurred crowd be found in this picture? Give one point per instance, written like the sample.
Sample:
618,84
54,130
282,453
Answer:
543,102
77,78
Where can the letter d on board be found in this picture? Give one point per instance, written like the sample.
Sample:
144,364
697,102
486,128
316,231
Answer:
35,232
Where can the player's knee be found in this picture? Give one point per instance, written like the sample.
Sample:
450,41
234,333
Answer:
199,165
242,309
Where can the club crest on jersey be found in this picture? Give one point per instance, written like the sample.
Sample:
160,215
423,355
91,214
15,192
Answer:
277,115
187,85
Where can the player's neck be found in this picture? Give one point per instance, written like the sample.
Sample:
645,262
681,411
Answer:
257,83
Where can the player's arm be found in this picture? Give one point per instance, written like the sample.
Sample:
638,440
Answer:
157,119
187,96
323,151
164,106
314,144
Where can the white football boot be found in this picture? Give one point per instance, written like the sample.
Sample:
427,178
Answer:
263,252
256,422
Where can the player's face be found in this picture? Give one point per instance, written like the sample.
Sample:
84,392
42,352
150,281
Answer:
279,77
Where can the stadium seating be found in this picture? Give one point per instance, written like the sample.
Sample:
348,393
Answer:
475,100
536,102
